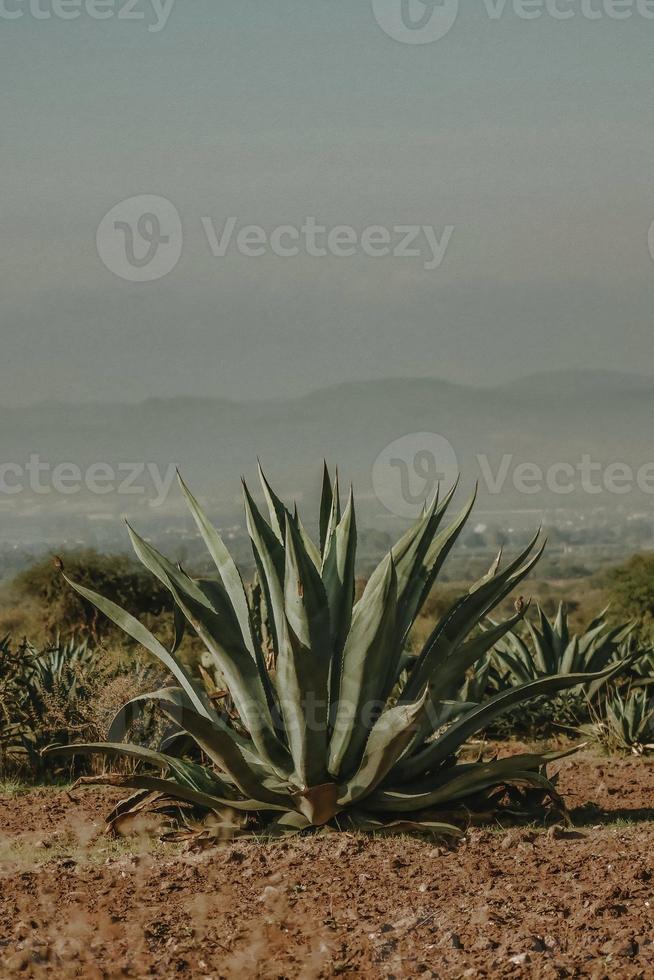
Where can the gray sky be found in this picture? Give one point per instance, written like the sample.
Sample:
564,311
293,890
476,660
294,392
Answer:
534,139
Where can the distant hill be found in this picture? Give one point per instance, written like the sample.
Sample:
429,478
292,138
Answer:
544,418
573,384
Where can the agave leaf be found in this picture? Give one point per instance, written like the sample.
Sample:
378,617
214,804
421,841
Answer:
334,514
478,778
596,647
630,713
390,792
230,576
447,711
600,618
543,656
466,613
406,542
183,773
368,824
221,745
179,627
477,719
189,781
174,790
449,674
430,553
130,711
276,509
318,804
130,625
369,648
467,654
260,618
303,663
410,549
288,825
412,546
514,656
218,603
216,625
388,739
127,715
326,499
176,743
339,580
305,600
134,803
269,558
561,625
491,573
176,703
571,659
553,643
305,537
518,670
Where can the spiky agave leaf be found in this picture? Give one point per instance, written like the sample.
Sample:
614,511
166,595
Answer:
338,723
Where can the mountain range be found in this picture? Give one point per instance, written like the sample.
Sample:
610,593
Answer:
543,419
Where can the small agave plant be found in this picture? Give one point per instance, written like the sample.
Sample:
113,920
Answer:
555,649
327,720
625,723
41,692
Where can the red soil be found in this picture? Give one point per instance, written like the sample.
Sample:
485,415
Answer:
517,903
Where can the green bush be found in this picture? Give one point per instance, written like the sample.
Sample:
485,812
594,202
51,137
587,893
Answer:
631,590
60,609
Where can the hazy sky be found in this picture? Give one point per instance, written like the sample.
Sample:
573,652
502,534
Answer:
534,139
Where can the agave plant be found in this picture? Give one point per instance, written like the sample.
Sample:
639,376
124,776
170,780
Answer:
556,650
624,723
326,718
42,698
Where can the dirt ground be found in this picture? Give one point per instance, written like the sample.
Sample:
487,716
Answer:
516,903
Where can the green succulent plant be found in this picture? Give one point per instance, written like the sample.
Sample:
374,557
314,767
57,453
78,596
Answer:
327,720
550,647
555,649
42,695
625,722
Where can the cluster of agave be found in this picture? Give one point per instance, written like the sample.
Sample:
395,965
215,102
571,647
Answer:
327,719
40,691
556,650
550,647
615,712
